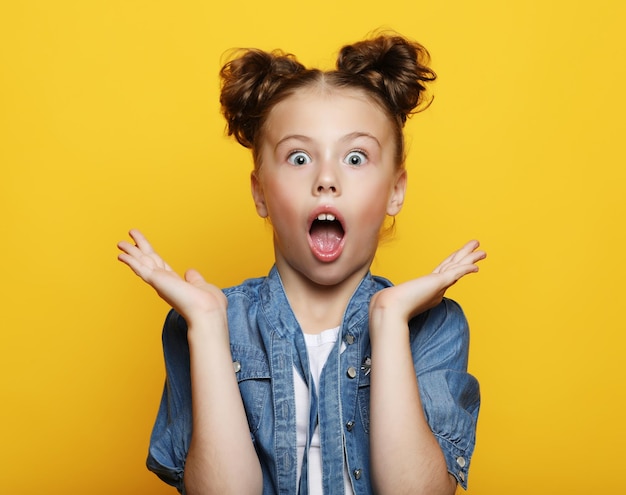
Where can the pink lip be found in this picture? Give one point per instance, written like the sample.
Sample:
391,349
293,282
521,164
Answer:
325,256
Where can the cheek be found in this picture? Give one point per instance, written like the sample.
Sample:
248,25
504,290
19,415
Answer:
376,197
372,215
282,205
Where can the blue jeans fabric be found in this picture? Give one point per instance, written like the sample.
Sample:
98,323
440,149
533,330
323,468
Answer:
267,346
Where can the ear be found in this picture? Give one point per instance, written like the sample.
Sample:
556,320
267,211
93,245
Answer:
396,198
258,195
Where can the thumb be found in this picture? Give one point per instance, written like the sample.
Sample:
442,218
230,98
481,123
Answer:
194,278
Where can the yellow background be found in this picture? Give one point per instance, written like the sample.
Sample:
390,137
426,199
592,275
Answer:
109,119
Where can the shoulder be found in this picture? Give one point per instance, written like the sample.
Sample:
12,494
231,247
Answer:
447,316
448,313
442,333
248,306
248,285
239,297
246,296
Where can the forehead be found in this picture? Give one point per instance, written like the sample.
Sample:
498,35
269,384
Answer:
325,112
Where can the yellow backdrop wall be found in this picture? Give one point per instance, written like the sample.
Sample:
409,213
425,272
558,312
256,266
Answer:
109,119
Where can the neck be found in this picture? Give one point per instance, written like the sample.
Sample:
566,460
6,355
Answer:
318,307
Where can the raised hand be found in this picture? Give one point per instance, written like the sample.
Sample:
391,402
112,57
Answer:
416,296
191,296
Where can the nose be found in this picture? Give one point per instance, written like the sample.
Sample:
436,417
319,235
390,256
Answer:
326,187
327,180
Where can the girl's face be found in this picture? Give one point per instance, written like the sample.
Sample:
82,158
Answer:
327,179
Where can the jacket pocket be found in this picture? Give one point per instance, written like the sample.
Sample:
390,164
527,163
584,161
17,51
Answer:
253,376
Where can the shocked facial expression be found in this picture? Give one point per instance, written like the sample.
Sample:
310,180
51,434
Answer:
327,179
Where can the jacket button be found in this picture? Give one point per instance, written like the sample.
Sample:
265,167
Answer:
350,425
237,366
350,339
460,461
351,372
357,474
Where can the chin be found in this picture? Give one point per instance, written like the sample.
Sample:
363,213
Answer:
333,274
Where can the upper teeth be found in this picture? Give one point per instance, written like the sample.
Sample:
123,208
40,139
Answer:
326,216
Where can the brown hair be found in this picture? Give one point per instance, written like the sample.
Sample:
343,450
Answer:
390,69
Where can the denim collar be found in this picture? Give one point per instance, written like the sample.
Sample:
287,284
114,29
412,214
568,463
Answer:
284,322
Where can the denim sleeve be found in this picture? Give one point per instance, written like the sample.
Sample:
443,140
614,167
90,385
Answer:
450,396
171,433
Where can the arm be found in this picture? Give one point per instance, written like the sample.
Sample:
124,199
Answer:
221,457
406,457
220,441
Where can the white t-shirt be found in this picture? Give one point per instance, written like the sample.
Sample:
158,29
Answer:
318,348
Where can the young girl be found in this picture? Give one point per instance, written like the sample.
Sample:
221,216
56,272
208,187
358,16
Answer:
319,378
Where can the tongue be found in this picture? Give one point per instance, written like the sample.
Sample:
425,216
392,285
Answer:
326,236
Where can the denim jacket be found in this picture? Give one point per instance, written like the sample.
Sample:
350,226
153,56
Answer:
267,346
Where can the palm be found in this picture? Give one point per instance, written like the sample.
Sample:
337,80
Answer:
190,296
418,295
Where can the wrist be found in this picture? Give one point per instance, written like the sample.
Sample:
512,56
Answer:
208,325
387,324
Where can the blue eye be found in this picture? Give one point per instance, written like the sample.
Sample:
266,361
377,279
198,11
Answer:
299,158
356,158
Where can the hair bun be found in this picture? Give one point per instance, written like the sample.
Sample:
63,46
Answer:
392,65
248,81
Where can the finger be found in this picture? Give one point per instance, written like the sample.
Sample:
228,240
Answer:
454,274
470,260
468,248
461,256
132,250
475,257
151,259
445,262
125,246
472,257
135,264
141,247
141,242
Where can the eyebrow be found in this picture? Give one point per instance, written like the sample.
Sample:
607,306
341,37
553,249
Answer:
355,135
297,137
348,137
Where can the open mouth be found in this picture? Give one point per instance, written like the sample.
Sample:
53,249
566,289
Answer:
326,234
